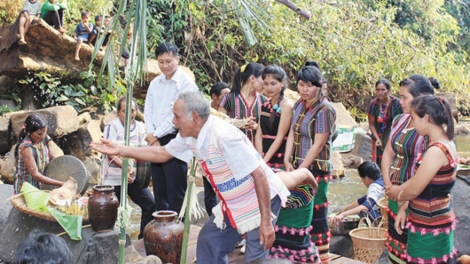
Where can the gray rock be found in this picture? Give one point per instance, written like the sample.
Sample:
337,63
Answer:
93,248
336,161
84,118
460,197
362,147
78,143
342,245
5,139
61,120
93,166
7,170
6,191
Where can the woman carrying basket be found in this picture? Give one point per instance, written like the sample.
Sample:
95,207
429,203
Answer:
427,195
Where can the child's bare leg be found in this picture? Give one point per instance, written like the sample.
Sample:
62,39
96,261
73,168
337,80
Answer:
294,178
22,24
29,20
90,40
77,49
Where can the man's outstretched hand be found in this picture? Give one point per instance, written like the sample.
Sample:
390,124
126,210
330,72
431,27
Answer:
106,147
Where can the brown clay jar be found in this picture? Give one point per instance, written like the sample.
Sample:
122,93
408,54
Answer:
103,208
163,237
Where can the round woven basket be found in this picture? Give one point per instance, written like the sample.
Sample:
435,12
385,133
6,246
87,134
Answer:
383,205
368,243
19,203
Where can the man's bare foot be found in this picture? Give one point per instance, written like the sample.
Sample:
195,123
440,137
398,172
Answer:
22,42
77,58
91,45
61,30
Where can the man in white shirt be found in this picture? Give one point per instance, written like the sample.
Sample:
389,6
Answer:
251,194
168,178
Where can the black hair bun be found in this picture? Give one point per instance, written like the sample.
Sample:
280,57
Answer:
434,82
313,63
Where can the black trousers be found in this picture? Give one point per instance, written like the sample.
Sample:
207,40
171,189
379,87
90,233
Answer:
144,199
210,199
55,18
169,181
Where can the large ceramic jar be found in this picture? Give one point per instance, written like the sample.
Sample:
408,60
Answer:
103,208
163,237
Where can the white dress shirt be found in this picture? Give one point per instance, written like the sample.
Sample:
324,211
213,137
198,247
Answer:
161,95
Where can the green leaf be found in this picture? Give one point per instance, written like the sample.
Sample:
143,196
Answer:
62,98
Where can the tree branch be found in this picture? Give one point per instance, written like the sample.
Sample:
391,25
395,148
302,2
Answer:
292,6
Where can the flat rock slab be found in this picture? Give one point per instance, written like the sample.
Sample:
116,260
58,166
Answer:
93,248
61,120
64,167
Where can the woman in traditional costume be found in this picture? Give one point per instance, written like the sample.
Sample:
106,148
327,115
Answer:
308,146
244,100
400,154
431,220
293,224
381,112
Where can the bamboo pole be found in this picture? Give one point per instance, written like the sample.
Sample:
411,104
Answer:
187,218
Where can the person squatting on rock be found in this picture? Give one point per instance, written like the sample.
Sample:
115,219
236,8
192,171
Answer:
33,154
112,164
233,167
31,10
169,178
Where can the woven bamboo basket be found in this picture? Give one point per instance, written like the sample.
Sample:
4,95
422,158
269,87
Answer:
20,204
368,242
383,205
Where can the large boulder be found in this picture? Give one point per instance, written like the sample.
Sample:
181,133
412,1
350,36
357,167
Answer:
6,191
61,120
77,143
336,161
93,248
343,117
4,134
47,51
362,146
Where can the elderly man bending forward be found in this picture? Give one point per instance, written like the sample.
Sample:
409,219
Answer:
250,193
